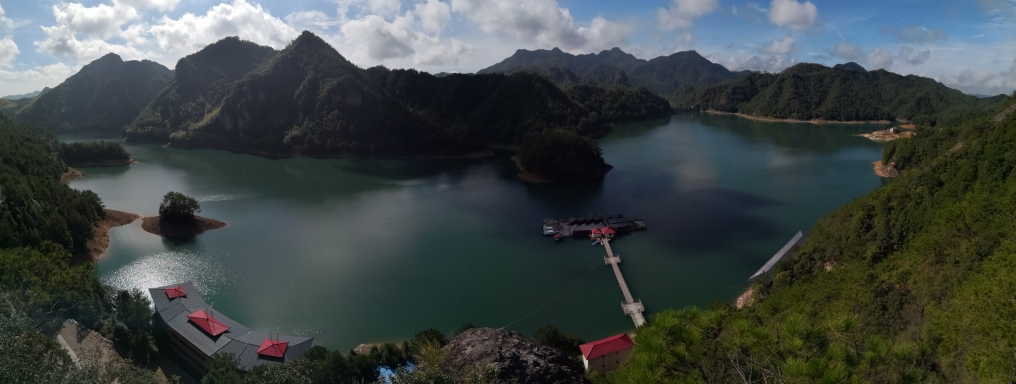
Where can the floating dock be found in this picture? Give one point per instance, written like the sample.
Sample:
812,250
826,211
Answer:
583,226
630,306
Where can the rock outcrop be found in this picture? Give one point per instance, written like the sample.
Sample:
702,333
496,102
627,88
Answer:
517,358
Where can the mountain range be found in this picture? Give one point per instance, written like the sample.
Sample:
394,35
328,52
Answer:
669,76
308,99
846,92
27,95
104,96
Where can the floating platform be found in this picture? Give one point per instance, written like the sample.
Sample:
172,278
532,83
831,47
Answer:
584,226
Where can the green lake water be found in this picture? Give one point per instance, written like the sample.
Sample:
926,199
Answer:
361,251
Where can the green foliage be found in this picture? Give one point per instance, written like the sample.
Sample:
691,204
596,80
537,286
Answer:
812,91
96,152
919,286
37,209
562,155
104,96
177,207
131,328
550,336
222,368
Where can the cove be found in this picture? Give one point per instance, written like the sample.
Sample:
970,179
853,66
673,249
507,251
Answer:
356,251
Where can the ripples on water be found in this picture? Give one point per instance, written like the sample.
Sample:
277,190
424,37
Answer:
220,197
166,268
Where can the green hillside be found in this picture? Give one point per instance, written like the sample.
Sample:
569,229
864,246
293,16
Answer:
912,283
308,99
846,92
104,96
669,76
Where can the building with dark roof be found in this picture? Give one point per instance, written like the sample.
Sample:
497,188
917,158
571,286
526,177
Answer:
197,332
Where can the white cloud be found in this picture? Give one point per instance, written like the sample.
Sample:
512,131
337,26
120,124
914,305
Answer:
61,41
772,64
8,51
983,81
162,5
880,58
101,21
682,12
605,34
381,40
909,55
779,47
539,21
30,80
434,15
307,20
848,51
191,33
793,15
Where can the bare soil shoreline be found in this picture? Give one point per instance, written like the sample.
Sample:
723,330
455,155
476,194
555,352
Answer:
812,121
155,226
100,242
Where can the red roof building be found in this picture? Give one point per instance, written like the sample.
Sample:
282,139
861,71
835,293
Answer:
175,292
208,323
608,231
605,355
597,231
273,348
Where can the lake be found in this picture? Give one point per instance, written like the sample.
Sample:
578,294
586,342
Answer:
362,251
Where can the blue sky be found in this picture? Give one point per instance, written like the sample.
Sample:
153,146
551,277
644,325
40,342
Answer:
967,44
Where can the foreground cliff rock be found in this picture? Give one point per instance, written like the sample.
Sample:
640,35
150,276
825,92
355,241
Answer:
517,358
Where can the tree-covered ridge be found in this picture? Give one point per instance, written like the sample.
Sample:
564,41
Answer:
200,82
94,153
911,283
105,95
844,93
669,76
35,208
308,99
562,156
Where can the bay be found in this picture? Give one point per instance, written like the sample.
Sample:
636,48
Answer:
354,251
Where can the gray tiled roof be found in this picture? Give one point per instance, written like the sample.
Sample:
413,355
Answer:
238,340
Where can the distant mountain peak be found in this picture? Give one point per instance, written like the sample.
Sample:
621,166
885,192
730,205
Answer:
851,66
556,50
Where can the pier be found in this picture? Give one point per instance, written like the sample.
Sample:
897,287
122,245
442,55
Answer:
630,306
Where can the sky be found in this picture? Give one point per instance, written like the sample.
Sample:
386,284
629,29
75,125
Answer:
961,43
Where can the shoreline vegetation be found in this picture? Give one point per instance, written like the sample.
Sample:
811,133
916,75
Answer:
534,177
812,121
157,226
103,164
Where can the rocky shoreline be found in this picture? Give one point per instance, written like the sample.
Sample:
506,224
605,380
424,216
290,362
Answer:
100,242
888,171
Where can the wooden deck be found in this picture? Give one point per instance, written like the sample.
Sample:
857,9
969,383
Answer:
630,306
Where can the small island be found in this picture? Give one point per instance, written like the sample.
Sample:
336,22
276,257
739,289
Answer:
558,155
94,154
177,218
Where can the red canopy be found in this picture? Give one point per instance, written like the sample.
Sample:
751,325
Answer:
208,323
606,346
597,231
175,292
608,230
273,348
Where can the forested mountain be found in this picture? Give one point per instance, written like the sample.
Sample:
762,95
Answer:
307,98
104,96
845,92
912,283
669,76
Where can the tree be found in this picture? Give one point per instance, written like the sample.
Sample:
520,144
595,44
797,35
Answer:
550,336
222,369
178,207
